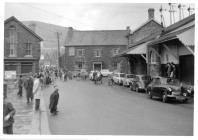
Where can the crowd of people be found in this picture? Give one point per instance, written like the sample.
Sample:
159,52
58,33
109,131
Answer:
33,84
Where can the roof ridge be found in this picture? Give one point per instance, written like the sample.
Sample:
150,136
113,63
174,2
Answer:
28,29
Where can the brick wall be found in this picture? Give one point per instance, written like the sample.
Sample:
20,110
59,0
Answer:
23,36
152,28
89,58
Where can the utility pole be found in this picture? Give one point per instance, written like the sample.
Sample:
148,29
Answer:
162,16
58,41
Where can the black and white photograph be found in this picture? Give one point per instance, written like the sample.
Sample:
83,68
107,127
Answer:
101,68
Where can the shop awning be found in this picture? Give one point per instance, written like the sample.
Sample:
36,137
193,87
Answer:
139,49
187,37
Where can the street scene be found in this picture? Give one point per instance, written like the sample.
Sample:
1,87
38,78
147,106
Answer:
126,75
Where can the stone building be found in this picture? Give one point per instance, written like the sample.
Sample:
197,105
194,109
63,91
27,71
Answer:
95,50
175,44
136,53
21,47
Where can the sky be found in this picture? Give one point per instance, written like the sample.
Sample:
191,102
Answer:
91,16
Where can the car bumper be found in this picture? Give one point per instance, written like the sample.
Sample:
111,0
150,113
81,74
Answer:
177,97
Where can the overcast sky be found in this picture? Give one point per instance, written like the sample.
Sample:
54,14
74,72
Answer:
90,16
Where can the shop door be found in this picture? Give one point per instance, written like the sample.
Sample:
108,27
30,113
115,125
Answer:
187,68
97,66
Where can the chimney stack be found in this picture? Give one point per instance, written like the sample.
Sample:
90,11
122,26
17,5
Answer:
151,13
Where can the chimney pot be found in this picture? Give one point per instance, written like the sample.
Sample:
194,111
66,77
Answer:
151,13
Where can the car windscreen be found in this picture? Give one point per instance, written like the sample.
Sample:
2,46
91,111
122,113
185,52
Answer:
122,75
174,82
130,76
146,78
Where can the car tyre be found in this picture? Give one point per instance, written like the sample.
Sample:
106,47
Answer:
164,97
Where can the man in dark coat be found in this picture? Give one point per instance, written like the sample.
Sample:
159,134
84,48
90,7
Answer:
54,97
20,86
29,89
8,113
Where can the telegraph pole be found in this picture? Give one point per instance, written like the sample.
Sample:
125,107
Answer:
58,41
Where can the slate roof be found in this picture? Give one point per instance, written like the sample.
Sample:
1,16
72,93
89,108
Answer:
97,37
28,29
166,35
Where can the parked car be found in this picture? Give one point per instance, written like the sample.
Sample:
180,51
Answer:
166,89
140,82
127,79
105,72
118,78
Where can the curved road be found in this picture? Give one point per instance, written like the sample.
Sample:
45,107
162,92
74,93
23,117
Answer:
88,109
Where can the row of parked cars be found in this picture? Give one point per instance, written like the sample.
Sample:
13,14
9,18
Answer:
161,87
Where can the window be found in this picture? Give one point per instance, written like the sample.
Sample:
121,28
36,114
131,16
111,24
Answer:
12,41
80,65
80,52
97,52
28,49
116,51
71,51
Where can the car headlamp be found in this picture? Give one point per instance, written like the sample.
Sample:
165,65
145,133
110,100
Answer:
169,89
185,94
189,91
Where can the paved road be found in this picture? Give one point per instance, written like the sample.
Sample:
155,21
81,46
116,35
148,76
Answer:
88,109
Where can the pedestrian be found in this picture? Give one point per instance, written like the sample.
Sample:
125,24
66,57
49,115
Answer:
29,89
54,97
37,91
169,69
8,116
20,86
173,70
65,76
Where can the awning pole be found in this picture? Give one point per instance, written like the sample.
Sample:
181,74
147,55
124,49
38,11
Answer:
144,57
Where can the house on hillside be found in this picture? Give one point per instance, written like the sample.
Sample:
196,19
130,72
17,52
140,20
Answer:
136,54
95,49
22,47
176,44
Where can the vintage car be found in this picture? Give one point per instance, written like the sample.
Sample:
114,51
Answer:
166,89
127,79
118,78
105,72
140,82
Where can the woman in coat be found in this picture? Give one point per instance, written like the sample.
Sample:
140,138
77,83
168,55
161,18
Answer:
37,91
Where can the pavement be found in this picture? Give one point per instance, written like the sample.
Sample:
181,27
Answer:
27,120
24,111
89,109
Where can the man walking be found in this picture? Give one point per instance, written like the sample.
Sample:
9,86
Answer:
20,86
29,90
54,97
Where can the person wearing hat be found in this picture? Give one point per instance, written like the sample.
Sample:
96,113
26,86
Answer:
54,97
8,115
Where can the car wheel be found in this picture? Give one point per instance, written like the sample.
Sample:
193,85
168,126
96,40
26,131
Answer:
150,95
164,97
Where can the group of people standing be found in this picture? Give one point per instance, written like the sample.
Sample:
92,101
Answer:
171,70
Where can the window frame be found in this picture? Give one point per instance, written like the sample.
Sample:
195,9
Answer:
12,41
98,53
